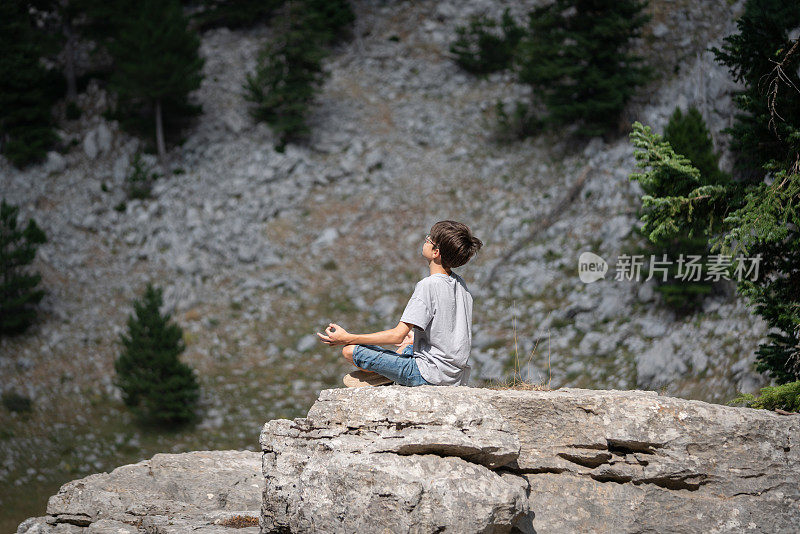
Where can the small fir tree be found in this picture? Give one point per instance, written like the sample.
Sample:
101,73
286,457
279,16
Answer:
155,384
575,57
157,65
687,135
139,182
27,89
234,13
329,21
284,83
486,46
289,69
18,291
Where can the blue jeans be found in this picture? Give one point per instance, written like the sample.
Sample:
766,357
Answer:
399,367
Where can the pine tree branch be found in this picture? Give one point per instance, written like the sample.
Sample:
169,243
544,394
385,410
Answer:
774,76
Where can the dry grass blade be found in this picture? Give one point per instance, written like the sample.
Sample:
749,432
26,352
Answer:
516,381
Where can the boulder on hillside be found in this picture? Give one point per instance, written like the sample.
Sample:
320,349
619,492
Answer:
461,459
199,491
464,460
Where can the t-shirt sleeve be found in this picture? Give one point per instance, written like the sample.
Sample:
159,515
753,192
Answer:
418,310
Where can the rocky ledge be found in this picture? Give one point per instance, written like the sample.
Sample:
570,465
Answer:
204,492
461,459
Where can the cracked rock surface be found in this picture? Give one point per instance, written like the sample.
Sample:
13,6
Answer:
464,460
168,494
461,459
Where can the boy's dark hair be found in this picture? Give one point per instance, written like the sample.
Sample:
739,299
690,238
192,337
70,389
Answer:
455,242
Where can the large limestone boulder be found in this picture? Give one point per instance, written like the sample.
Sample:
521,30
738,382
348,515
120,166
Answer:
461,459
200,491
464,460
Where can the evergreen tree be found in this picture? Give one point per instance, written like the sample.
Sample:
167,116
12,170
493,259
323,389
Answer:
289,67
664,214
328,20
687,135
234,13
762,208
766,141
27,89
480,48
157,64
751,56
17,250
60,22
575,56
102,21
155,384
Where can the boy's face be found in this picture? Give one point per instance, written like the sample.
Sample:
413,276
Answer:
429,249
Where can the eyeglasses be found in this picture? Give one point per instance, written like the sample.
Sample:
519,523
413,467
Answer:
429,240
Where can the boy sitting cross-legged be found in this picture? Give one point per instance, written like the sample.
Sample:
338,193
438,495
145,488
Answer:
439,312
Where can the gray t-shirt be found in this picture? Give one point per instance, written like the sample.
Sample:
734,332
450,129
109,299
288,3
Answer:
441,311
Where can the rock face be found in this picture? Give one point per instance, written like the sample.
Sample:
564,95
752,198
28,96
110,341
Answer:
199,492
370,459
464,460
460,459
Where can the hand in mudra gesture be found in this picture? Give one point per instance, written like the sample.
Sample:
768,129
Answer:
334,335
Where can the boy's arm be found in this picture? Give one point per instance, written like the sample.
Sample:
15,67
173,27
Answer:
336,335
393,336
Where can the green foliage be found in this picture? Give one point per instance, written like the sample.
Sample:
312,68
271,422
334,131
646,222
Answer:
776,294
73,112
102,21
14,402
289,69
666,215
575,57
27,89
156,60
156,385
329,20
752,56
686,135
761,211
517,124
284,83
482,47
234,13
18,295
783,397
139,183
766,138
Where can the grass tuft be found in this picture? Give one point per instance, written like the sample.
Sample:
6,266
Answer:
516,381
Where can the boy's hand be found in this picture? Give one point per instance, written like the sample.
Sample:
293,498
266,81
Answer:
408,340
336,335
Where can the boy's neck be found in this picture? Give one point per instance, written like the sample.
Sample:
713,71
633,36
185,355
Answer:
437,268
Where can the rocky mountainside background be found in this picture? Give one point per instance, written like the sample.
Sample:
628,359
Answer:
258,250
